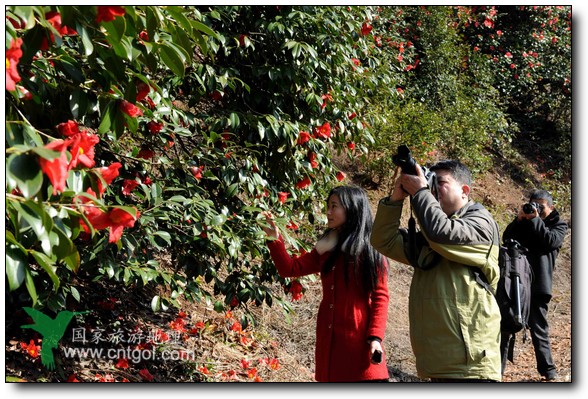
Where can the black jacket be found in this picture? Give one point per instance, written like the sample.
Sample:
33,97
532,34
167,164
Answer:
543,239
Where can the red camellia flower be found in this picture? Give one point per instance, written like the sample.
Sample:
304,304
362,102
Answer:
143,35
146,153
119,219
143,90
296,290
312,160
178,324
122,364
108,174
128,186
366,29
274,364
56,169
199,325
242,40
351,145
13,55
352,115
236,326
323,131
154,127
303,183
216,95
146,375
54,18
326,98
82,149
303,137
341,176
356,61
252,373
68,128
130,109
197,172
32,349
73,378
109,13
283,196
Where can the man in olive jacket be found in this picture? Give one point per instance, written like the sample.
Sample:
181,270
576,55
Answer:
454,320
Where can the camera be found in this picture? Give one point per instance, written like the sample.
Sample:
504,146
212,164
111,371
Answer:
531,207
403,159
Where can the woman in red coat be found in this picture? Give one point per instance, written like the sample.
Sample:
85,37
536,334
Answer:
352,315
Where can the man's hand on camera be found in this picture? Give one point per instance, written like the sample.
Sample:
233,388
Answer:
398,194
411,183
522,215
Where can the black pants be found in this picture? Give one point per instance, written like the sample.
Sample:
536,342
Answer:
539,336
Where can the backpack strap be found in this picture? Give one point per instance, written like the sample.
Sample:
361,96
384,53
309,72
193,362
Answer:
482,280
478,274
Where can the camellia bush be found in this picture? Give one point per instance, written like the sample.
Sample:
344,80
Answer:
144,143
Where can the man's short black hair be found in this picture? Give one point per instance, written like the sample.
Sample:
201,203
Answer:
541,194
459,171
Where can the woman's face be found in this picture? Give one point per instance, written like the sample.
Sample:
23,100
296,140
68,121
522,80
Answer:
336,215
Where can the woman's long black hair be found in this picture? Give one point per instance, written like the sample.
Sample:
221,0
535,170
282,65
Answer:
354,238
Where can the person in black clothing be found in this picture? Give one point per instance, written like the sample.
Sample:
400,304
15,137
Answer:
538,228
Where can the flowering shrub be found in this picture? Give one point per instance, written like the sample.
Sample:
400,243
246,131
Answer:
139,138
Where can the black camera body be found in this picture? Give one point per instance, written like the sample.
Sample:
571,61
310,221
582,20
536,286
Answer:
403,159
531,207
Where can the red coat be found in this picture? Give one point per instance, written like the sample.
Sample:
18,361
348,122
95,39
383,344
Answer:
347,316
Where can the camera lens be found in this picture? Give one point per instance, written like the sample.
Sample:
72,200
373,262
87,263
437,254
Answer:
529,208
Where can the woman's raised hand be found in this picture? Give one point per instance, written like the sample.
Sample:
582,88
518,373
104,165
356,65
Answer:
272,229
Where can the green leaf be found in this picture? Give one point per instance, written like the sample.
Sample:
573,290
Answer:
75,293
86,39
165,235
156,303
124,48
22,133
232,190
69,66
36,217
30,284
25,171
219,307
115,30
66,251
107,118
16,264
234,120
177,14
204,29
48,265
78,103
172,58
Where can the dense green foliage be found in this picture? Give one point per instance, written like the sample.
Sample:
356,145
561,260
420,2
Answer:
175,127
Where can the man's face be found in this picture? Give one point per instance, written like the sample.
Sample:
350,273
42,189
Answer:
546,208
452,194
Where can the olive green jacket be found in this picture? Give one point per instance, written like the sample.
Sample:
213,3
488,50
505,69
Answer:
454,321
